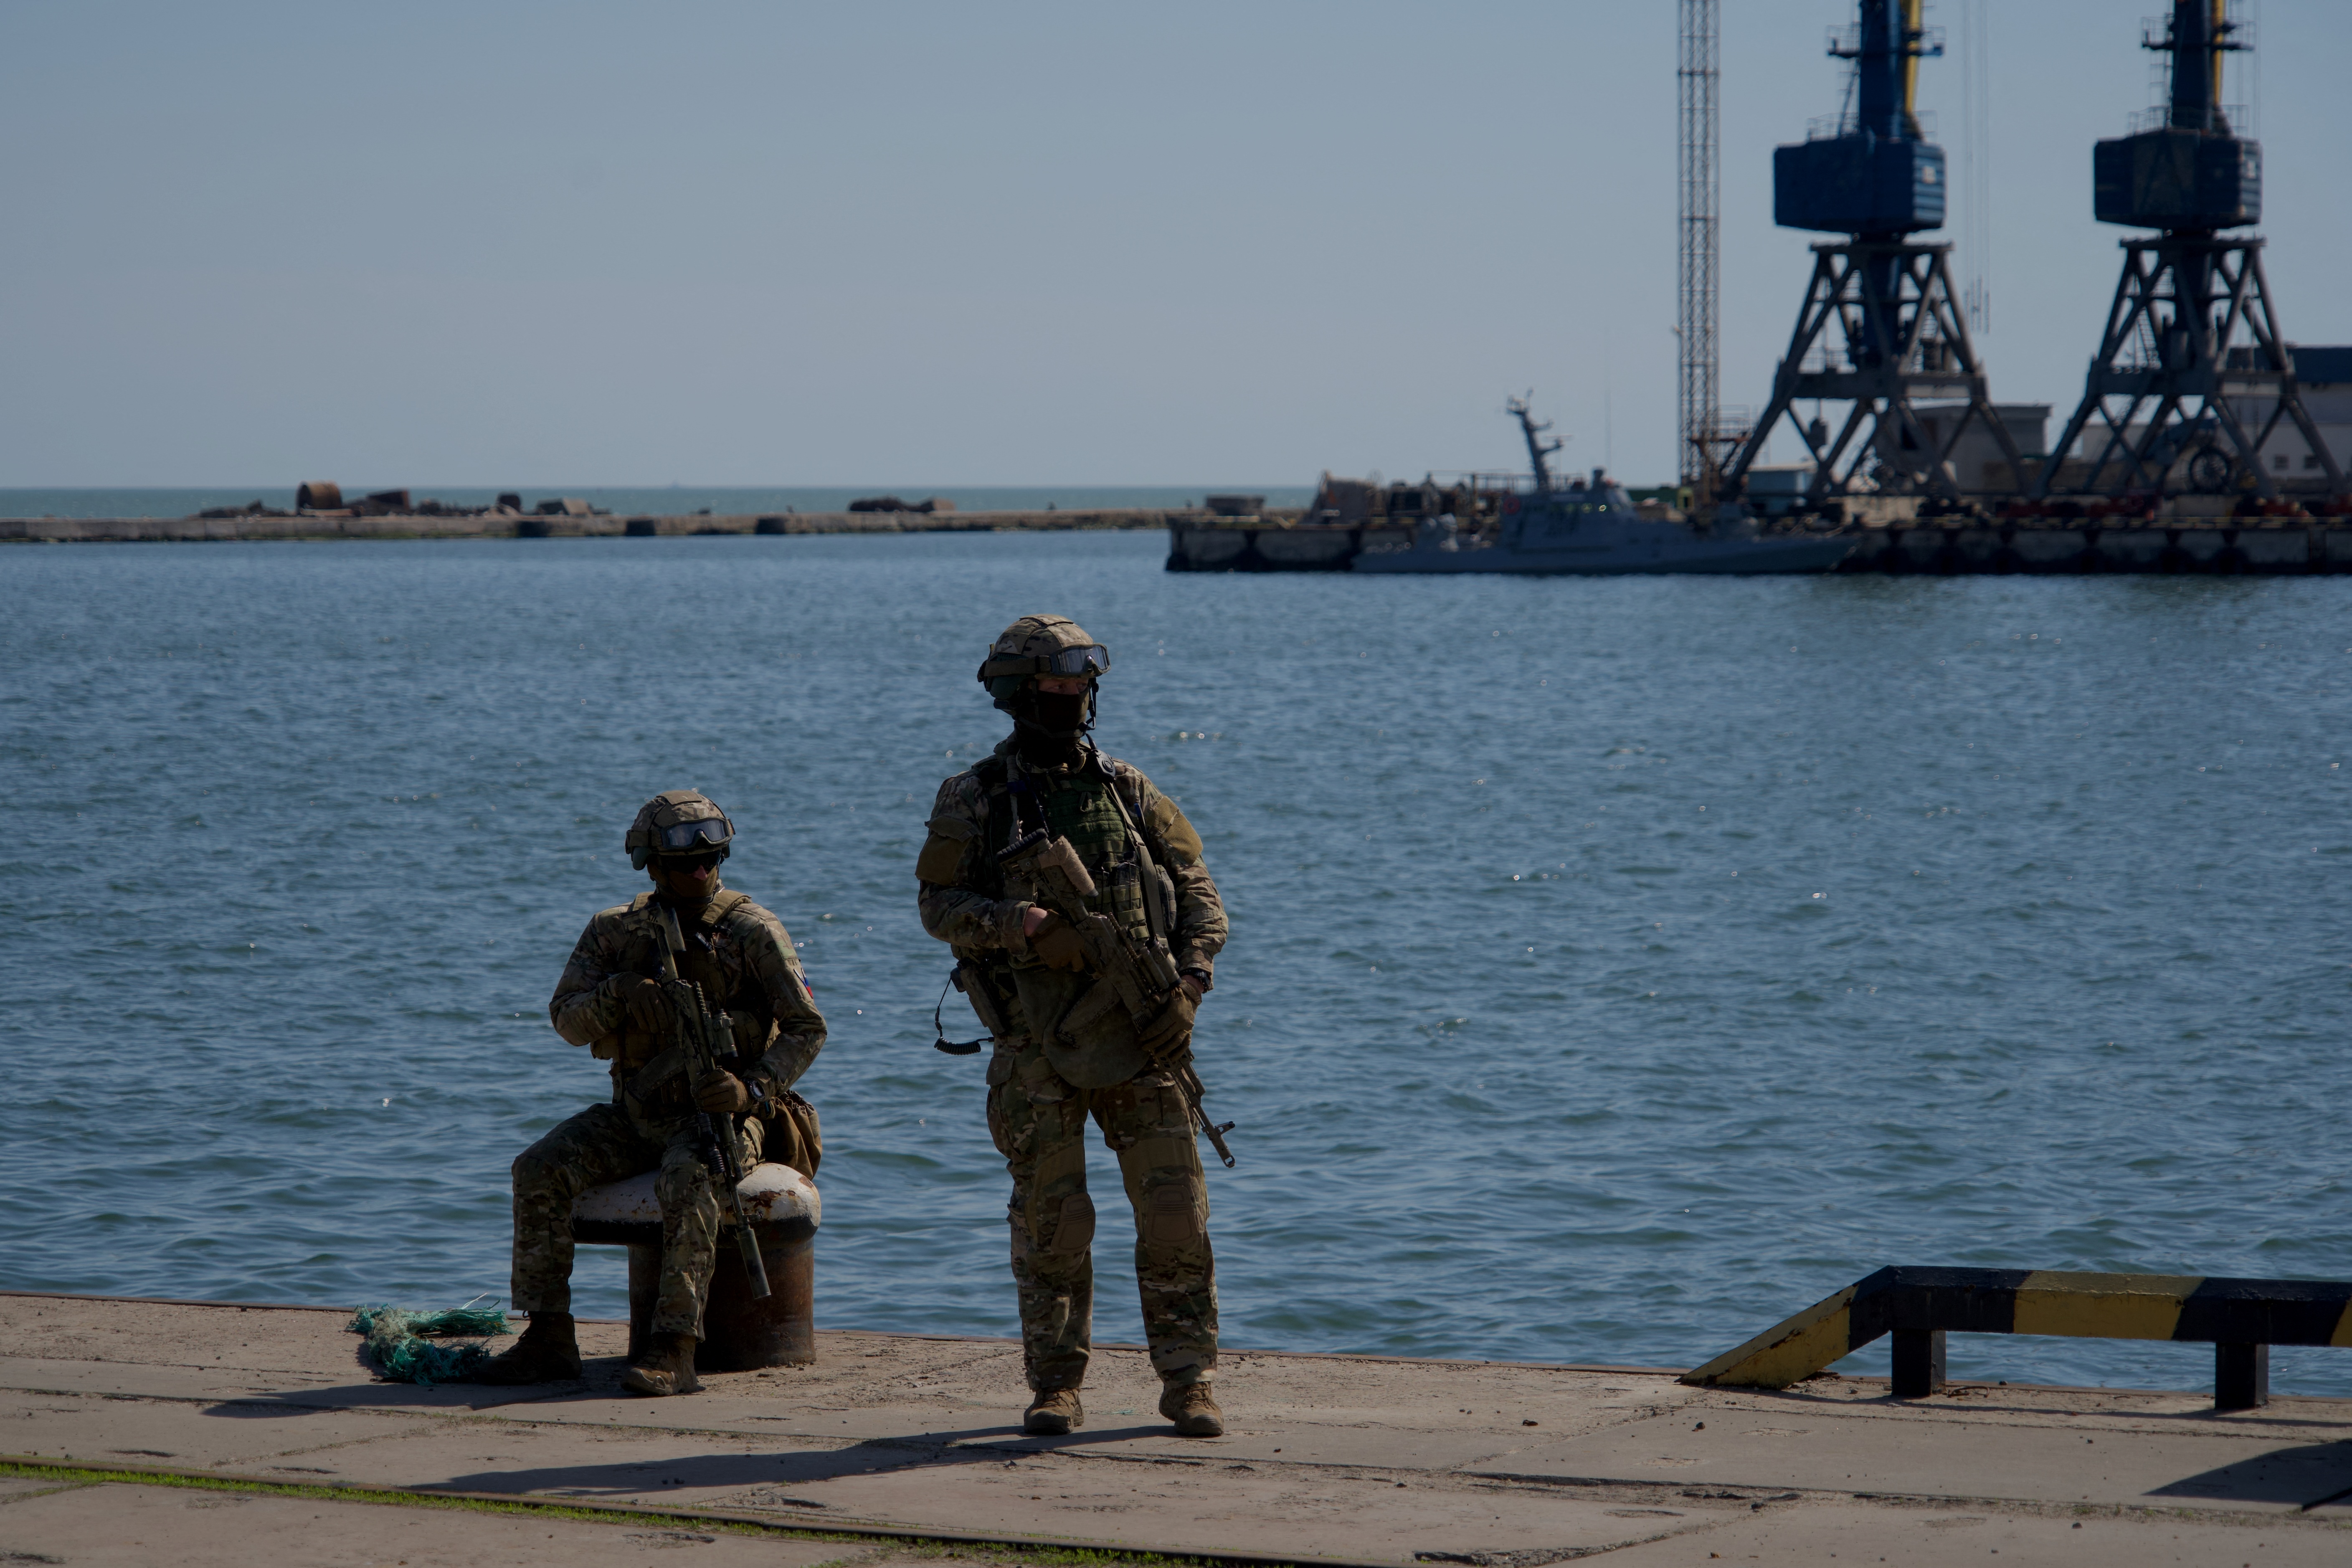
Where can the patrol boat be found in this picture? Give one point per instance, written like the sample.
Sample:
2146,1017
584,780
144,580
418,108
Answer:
1589,526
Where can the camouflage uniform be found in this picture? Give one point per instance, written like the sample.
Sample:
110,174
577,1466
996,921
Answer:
743,959
1041,1093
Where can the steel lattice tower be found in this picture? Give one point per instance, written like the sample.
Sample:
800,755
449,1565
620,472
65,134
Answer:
1702,191
1880,329
2157,413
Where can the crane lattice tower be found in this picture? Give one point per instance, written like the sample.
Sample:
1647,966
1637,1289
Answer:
1879,330
2191,377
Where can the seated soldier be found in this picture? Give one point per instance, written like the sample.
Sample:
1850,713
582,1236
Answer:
610,1001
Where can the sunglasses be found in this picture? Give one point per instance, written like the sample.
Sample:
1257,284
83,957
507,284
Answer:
688,862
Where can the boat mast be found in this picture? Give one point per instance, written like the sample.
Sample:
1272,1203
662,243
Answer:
1537,448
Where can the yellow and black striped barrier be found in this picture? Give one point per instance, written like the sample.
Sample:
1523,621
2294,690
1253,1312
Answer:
2240,1318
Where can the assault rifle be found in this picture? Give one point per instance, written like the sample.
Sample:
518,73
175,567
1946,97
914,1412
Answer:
704,1036
1135,974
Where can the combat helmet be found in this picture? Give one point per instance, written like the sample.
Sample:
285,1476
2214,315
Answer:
678,822
1035,646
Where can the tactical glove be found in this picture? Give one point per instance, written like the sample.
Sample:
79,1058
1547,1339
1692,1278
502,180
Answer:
722,1094
1058,945
1169,1035
640,999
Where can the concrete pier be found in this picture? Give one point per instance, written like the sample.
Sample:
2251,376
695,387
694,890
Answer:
510,525
147,1432
1934,547
2268,547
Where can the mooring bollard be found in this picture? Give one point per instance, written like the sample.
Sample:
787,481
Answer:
2242,1375
738,1333
1918,1362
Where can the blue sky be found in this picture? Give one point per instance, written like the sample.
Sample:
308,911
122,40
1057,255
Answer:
933,243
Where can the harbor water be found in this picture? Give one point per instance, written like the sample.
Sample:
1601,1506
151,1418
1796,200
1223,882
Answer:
1618,965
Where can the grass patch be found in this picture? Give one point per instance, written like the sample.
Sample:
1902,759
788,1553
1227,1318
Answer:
91,1475
1047,1556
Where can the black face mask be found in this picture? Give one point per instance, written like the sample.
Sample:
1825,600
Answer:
1062,715
1048,725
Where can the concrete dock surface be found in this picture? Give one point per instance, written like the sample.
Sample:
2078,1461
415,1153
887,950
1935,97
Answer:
142,1432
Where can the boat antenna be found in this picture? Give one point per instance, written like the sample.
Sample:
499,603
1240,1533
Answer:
1608,406
1537,448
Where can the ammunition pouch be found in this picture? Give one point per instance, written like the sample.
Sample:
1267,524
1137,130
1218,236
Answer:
791,1134
660,1085
1088,1037
1159,899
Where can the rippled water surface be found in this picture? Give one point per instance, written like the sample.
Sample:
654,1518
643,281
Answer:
1617,965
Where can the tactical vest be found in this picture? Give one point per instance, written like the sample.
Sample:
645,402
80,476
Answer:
1082,808
641,953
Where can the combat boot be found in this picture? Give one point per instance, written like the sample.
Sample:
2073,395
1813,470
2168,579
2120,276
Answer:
1054,1412
548,1352
1193,1409
665,1366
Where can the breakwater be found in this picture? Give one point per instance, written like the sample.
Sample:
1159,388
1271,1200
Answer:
512,525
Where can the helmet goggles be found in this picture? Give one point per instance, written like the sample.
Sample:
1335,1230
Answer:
688,837
1089,661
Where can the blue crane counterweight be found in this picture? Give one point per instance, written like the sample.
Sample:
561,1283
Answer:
1873,174
2190,172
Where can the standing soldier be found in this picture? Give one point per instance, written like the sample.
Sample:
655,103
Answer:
1064,1055
610,1001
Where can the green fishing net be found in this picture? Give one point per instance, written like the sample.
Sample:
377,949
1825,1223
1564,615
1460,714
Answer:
413,1347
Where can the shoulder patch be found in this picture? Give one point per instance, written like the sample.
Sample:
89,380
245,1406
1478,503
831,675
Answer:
942,852
1178,834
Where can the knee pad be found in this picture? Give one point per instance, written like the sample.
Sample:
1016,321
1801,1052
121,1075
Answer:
1172,1218
1074,1231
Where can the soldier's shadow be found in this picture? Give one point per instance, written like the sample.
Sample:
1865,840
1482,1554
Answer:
378,1396
600,1380
782,1468
2305,1476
